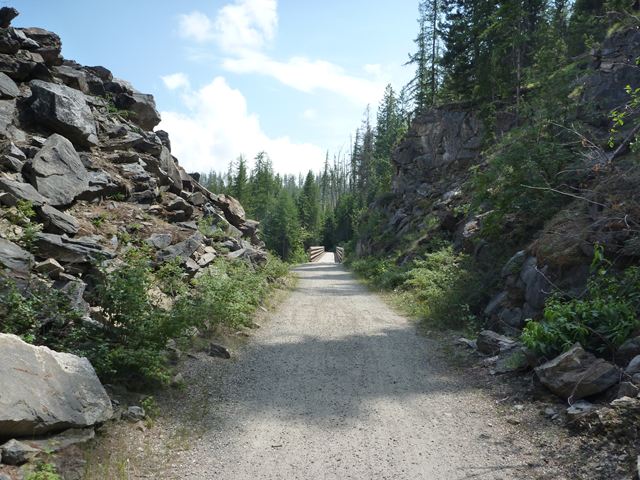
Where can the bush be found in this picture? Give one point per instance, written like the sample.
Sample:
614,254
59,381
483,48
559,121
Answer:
128,341
444,288
44,471
601,321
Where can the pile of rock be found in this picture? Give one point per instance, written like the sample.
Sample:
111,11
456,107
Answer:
75,140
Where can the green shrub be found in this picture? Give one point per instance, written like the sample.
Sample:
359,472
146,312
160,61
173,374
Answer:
36,315
44,471
443,288
601,321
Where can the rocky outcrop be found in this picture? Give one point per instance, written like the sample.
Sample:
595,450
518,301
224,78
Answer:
577,374
56,390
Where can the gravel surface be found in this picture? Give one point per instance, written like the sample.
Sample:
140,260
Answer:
336,385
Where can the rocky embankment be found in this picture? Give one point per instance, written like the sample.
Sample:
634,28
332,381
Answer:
435,166
77,146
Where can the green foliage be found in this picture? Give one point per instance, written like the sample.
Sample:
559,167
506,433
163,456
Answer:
282,230
44,471
443,289
521,172
35,315
600,321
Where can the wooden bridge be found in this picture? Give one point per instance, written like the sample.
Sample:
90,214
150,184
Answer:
318,252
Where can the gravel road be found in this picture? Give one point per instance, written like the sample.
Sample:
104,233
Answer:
336,385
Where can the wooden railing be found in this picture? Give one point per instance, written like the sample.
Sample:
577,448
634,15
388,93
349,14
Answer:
315,253
339,254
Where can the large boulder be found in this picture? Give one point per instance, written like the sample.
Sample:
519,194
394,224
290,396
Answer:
628,351
43,391
577,374
70,251
15,261
182,250
57,171
20,191
143,107
55,221
231,208
63,110
49,44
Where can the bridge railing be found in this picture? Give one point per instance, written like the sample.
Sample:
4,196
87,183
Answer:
339,254
315,253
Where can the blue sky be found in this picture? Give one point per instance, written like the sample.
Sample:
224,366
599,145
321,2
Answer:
235,77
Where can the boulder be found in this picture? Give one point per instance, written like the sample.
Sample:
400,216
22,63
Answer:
231,208
182,250
254,256
21,65
168,165
628,351
577,373
7,14
134,414
492,343
7,114
55,221
57,171
633,367
143,106
49,44
72,77
63,110
44,391
159,240
8,88
15,261
15,452
20,191
9,41
70,251
49,267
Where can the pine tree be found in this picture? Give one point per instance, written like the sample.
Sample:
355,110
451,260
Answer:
282,230
240,186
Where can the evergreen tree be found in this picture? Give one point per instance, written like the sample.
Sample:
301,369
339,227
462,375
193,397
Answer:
240,186
282,230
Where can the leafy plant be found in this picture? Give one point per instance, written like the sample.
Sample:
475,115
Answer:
44,471
600,321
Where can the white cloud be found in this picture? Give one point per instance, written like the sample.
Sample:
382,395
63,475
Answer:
196,26
243,25
309,76
176,81
241,30
218,127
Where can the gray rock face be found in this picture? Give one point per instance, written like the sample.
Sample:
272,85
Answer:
232,209
45,391
63,110
160,240
577,374
49,44
15,260
57,171
492,343
55,221
70,251
183,249
143,107
633,367
15,452
628,351
20,191
8,88
171,170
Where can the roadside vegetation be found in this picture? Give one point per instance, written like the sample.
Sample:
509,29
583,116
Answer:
127,339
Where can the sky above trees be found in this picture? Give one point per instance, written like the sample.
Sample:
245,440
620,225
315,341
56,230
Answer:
241,76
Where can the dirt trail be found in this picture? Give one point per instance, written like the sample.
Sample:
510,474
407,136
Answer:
338,386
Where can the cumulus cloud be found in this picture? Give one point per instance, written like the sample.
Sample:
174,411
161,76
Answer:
176,81
308,76
310,114
241,31
243,25
218,127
